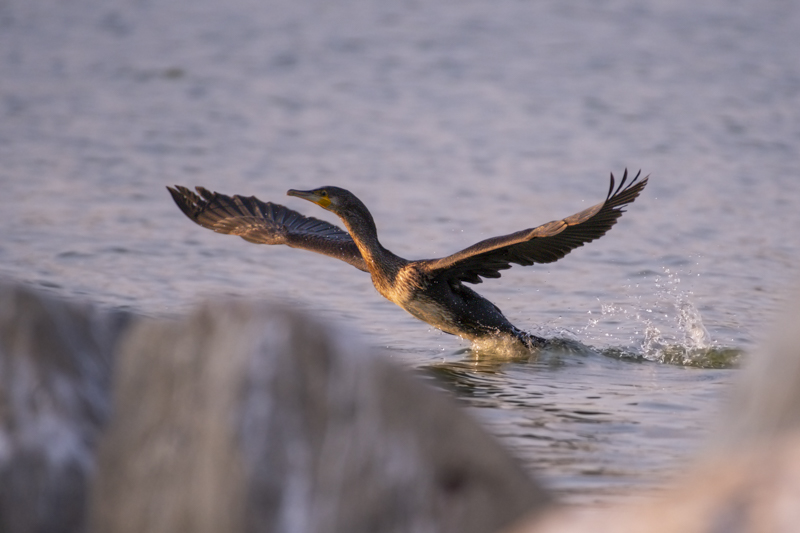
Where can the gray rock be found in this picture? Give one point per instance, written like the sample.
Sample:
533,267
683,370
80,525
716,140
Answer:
55,369
250,418
765,402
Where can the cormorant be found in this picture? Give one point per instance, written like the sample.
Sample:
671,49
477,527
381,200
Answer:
432,290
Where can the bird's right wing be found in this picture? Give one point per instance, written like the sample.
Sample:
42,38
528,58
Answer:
266,223
543,244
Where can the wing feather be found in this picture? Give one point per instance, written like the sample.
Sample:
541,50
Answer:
543,244
266,223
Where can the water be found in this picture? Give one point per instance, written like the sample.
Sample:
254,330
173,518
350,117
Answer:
453,122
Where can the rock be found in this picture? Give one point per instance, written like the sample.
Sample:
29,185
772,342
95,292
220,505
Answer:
55,370
765,401
240,418
247,418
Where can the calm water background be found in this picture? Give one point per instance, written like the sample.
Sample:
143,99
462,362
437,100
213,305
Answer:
454,121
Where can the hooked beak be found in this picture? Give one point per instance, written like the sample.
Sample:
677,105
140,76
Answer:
311,196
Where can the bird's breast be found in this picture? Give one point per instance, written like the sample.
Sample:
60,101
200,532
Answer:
410,282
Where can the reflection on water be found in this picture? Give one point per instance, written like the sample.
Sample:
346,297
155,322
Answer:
586,418
596,424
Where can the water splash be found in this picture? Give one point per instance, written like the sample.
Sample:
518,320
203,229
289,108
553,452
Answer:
668,328
500,347
695,333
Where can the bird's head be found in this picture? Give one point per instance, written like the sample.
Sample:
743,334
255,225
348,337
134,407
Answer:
334,199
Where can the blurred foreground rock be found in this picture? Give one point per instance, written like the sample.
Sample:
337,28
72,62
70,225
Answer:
55,370
747,481
245,417
250,418
240,418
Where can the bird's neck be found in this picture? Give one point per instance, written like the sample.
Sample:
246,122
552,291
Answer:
380,261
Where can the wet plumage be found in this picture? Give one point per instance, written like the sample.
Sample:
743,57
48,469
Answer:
432,290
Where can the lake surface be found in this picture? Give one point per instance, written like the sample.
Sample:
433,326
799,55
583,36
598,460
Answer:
454,122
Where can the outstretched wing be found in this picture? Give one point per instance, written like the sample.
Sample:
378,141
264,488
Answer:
544,244
266,223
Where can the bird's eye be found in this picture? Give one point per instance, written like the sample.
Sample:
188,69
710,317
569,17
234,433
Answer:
324,194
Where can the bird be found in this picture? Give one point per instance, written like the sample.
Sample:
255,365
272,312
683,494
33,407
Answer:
432,290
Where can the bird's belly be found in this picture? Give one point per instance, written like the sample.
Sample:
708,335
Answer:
432,312
426,300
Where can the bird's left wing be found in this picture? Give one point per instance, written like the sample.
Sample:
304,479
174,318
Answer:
266,223
544,244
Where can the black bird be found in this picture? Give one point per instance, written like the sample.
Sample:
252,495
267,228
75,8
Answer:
432,290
